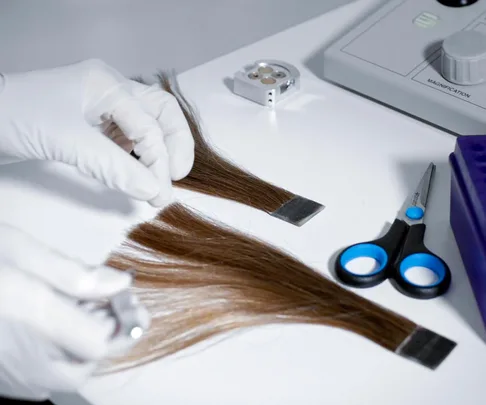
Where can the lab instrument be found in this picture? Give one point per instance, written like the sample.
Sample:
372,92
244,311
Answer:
424,58
125,310
399,250
124,307
267,82
468,211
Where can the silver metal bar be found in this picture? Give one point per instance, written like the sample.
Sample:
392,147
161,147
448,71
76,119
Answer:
298,210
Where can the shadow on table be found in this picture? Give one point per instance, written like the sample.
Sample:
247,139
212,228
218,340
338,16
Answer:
38,175
439,238
228,82
432,53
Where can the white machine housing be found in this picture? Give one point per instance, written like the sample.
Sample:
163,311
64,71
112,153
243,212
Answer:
394,56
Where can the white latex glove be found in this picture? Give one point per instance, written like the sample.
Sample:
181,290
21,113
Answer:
59,114
42,326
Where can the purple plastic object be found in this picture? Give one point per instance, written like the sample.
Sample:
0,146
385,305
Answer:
468,210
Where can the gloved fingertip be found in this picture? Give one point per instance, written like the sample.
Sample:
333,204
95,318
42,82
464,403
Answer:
104,282
181,168
161,201
166,193
70,375
144,187
181,156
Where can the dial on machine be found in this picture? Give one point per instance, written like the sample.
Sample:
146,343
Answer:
463,54
464,58
426,58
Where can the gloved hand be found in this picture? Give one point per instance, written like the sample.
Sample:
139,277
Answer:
48,341
58,114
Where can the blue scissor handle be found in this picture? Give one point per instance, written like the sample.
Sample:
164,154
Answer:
393,262
384,250
416,254
361,250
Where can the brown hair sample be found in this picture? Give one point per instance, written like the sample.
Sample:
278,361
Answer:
200,279
215,175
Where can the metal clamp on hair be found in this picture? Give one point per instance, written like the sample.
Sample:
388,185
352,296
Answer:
298,210
267,82
426,348
124,307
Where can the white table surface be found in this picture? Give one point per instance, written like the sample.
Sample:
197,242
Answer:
358,158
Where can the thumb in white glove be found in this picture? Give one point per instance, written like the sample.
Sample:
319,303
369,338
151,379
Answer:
48,341
58,114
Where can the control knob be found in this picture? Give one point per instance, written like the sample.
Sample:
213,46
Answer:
463,58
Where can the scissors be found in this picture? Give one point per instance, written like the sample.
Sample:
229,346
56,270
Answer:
399,250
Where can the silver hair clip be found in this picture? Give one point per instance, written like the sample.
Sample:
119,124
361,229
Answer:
124,307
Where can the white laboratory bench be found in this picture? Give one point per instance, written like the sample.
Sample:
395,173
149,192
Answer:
354,156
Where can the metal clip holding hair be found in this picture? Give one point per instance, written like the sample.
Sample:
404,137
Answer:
298,210
267,82
124,308
426,348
